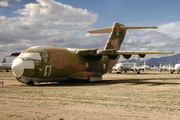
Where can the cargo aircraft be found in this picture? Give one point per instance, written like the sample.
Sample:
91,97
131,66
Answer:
54,64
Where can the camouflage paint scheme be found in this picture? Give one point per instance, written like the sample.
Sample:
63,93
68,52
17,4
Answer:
67,63
56,64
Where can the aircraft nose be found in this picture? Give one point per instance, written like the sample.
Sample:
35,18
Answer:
17,67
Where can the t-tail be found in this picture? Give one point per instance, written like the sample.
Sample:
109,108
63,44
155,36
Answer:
118,32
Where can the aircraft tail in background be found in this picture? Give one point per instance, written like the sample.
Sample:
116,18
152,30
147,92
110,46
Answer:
4,60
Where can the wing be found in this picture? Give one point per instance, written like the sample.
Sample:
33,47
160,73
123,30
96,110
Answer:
121,52
111,52
14,54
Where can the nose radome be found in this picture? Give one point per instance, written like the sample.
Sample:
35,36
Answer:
17,67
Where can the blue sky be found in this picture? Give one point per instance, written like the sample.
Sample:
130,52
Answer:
27,23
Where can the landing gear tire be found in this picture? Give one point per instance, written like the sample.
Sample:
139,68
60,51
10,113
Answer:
30,83
138,72
118,72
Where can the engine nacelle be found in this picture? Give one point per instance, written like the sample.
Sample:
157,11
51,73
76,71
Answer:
126,56
142,55
112,57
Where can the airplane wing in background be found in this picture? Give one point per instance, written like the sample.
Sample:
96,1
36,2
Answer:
14,54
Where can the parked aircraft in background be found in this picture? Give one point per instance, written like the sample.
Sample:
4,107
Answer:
163,67
175,68
120,67
5,66
154,68
145,67
54,64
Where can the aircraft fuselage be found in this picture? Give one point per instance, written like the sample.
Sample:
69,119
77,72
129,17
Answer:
46,63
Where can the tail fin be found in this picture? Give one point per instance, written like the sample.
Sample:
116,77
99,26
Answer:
118,32
4,60
138,61
127,61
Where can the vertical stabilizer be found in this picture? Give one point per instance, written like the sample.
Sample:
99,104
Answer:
4,60
138,61
116,37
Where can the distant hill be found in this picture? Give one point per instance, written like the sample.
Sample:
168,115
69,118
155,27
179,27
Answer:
131,61
174,59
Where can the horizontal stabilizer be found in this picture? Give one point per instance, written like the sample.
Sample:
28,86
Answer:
103,30
109,29
136,27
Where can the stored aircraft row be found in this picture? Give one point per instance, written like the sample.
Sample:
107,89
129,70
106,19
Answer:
54,64
120,67
170,68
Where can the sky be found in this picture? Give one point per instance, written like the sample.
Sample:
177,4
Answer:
64,23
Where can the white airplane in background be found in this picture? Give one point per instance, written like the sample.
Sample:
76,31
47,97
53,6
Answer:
5,66
128,67
145,67
175,68
163,68
154,68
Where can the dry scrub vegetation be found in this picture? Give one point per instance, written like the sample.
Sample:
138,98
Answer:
149,95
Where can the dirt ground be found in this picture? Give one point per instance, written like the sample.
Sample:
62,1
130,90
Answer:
127,96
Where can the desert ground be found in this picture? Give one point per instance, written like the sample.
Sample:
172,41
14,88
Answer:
127,96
